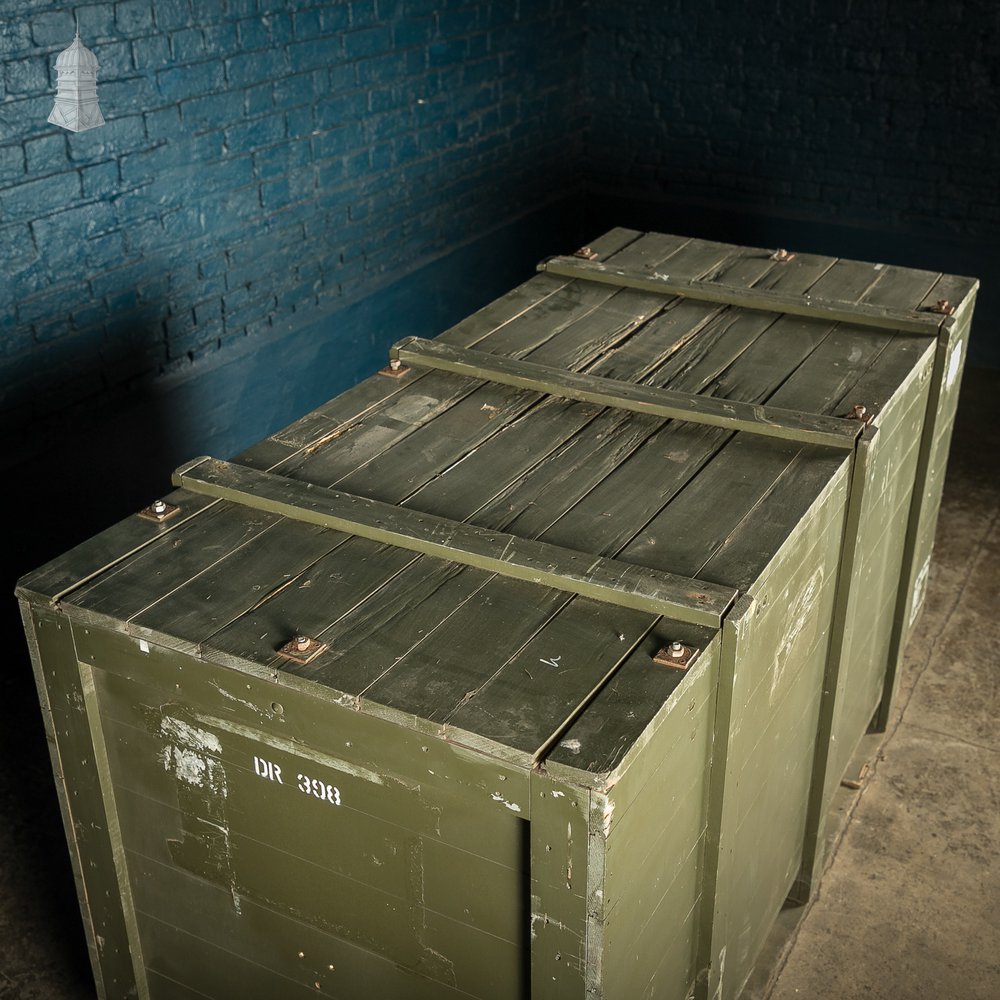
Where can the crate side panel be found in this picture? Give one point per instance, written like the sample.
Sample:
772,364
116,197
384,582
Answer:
781,648
355,868
653,828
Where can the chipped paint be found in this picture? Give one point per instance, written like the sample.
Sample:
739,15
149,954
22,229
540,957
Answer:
919,590
296,749
512,806
256,709
573,746
189,736
187,755
802,625
954,365
606,817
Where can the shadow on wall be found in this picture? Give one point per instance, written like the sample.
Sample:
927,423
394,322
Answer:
71,474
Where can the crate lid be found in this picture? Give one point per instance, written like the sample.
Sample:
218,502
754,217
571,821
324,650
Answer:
492,539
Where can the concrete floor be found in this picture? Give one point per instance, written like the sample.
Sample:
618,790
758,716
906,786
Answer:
910,905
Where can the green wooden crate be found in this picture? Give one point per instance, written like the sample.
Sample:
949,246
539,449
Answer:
480,771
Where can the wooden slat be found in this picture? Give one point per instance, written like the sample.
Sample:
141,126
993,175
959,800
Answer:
710,410
862,314
524,559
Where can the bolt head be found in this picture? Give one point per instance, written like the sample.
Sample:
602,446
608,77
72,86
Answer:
676,648
158,506
302,643
395,364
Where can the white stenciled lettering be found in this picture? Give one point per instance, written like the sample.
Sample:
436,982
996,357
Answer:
266,769
318,789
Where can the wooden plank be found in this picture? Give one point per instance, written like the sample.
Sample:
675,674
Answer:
709,410
605,744
587,638
172,560
906,320
276,558
258,932
94,557
524,559
81,801
558,838
719,858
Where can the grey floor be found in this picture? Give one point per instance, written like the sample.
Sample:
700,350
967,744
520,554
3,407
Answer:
910,905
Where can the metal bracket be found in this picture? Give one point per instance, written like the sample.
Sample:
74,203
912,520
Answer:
860,412
159,511
587,253
302,649
677,656
394,369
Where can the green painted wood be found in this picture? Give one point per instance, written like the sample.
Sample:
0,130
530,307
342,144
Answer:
719,855
910,321
96,556
523,559
763,420
111,817
587,642
456,786
558,842
259,935
429,677
942,398
53,657
171,560
778,646
608,741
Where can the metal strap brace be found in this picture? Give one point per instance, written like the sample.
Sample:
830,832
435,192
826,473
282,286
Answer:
624,584
769,421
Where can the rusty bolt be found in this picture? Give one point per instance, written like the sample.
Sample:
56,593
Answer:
302,643
395,364
158,507
676,648
782,255
858,412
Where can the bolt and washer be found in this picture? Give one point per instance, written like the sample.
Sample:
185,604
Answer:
302,643
158,506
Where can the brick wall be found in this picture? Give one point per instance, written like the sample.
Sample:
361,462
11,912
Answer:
262,162
875,114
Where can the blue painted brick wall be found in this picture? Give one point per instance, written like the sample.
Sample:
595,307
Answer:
879,114
262,162
266,161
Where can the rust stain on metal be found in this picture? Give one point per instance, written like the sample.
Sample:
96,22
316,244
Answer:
394,369
302,649
782,255
676,655
943,307
586,253
159,511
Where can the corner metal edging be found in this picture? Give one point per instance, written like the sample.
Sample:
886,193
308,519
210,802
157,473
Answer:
768,421
682,598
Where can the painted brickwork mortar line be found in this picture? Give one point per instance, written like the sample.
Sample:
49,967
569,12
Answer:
261,162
